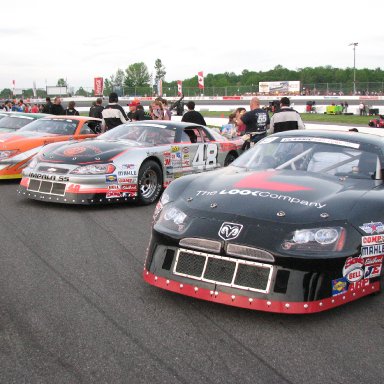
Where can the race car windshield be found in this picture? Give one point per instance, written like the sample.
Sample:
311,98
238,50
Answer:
327,156
14,122
52,126
148,134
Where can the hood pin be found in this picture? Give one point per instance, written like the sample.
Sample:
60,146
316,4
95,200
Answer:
280,214
324,215
213,205
189,199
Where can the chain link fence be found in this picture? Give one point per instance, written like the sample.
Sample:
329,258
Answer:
318,89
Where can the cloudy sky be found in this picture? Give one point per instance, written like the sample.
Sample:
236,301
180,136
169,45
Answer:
80,40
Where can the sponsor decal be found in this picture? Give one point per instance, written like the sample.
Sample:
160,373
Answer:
128,166
166,154
339,286
41,176
127,173
321,140
111,178
129,187
167,161
113,187
372,250
69,152
375,239
373,260
175,148
229,231
358,285
129,194
185,150
353,269
263,194
127,180
262,180
186,156
372,271
186,163
372,227
176,156
112,195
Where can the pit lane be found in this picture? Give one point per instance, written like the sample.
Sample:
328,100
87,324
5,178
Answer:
74,309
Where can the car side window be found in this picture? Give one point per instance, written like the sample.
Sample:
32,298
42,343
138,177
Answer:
193,134
86,129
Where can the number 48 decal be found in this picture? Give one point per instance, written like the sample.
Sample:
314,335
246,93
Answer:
206,155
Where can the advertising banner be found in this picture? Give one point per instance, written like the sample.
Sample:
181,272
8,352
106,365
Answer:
98,86
279,87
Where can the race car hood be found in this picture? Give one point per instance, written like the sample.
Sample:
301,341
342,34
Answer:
87,151
20,140
267,195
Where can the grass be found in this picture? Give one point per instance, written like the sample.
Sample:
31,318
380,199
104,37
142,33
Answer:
314,118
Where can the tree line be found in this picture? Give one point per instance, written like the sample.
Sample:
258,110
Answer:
138,75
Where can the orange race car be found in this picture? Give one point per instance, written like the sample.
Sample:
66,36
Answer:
17,148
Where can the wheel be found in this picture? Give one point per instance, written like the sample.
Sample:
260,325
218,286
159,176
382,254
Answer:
230,158
150,182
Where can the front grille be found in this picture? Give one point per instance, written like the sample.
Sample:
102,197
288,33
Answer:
221,270
48,187
201,244
53,169
249,253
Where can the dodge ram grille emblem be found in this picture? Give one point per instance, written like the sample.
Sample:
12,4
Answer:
229,231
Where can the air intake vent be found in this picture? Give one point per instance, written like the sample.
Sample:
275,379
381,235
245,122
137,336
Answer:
249,253
220,270
201,244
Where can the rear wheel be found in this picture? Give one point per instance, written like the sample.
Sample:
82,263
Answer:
230,158
150,182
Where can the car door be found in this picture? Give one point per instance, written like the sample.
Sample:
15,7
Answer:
197,150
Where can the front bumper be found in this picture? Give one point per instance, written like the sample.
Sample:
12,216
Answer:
294,286
64,193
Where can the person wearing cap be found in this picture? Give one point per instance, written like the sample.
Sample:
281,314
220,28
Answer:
134,113
113,114
286,118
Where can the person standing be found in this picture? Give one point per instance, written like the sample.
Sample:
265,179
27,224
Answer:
113,114
57,108
286,118
256,123
48,106
193,116
70,110
97,109
135,113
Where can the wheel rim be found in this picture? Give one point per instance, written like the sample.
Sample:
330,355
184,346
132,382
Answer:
148,183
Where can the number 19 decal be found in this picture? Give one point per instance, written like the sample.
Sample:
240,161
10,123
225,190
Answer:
206,155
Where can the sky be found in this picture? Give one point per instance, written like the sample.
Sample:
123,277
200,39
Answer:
79,40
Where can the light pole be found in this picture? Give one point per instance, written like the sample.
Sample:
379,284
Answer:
354,66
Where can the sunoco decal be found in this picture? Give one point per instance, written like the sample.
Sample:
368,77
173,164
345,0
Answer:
339,286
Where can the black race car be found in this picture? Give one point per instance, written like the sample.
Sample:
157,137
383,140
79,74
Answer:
294,225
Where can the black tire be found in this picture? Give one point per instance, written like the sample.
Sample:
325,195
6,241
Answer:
230,157
150,182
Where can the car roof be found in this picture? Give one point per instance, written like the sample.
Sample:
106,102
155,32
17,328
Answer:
33,115
72,117
358,137
167,123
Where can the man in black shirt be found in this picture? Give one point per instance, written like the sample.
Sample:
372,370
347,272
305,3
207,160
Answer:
48,106
97,109
57,108
135,114
193,116
256,122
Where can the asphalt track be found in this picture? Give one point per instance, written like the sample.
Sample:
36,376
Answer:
74,309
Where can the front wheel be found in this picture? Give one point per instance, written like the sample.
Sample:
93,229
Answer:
150,182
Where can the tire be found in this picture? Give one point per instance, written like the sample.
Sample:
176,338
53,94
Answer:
230,157
150,182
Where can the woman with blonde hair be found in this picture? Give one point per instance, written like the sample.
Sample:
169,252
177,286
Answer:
156,110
